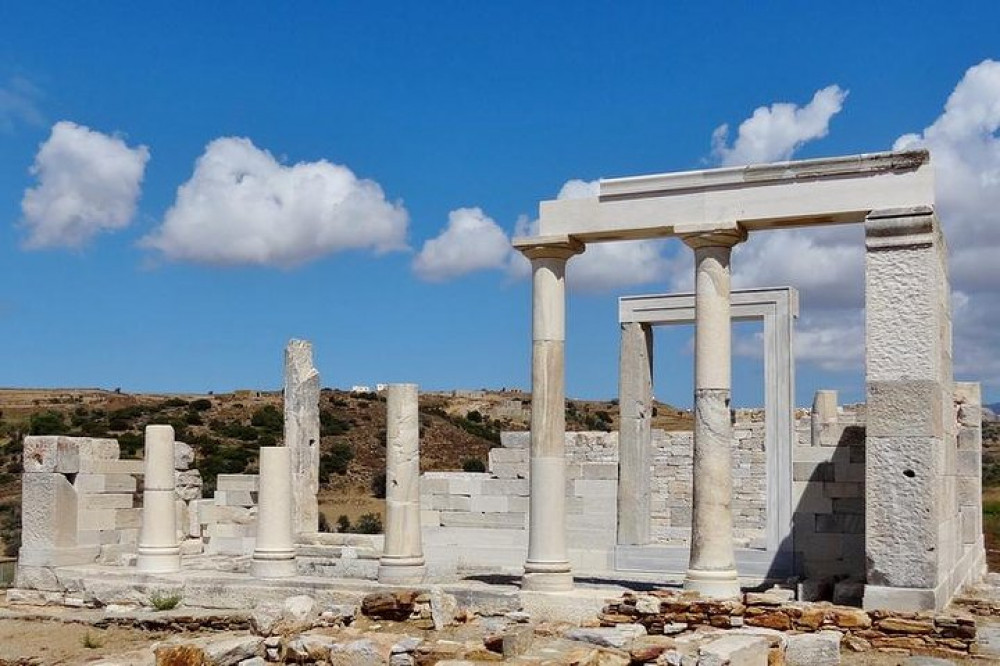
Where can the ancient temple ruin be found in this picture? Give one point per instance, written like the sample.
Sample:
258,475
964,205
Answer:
880,502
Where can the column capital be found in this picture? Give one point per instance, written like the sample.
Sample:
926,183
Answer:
715,238
549,247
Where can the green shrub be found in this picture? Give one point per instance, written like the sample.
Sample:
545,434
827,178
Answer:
330,425
343,523
130,444
90,641
46,423
324,522
163,602
474,416
193,418
201,404
269,419
175,402
369,523
473,465
336,460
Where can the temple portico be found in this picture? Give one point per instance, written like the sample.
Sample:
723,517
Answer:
892,194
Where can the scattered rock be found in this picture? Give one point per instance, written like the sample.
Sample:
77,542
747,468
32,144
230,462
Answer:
307,648
231,651
444,607
614,637
183,455
516,641
295,615
356,653
734,649
396,606
819,649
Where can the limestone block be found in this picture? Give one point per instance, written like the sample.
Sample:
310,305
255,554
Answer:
819,649
900,408
429,517
515,440
106,501
96,519
808,497
90,483
491,520
509,470
183,455
970,439
601,471
969,463
242,498
734,650
127,519
489,504
247,482
430,485
504,455
594,488
451,502
48,511
36,578
50,453
102,466
906,475
467,483
118,483
508,487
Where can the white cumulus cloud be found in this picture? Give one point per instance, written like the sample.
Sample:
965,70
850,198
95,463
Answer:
88,182
472,241
775,132
242,206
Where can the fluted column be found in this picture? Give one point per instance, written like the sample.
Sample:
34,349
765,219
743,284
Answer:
547,567
158,550
274,550
712,567
402,560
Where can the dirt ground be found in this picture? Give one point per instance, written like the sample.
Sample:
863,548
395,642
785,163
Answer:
54,642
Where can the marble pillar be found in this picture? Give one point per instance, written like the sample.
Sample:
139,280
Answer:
302,433
912,523
635,391
547,567
158,549
402,560
712,568
274,551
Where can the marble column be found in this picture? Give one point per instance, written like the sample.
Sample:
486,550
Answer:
635,392
302,433
402,560
712,568
158,549
547,567
274,551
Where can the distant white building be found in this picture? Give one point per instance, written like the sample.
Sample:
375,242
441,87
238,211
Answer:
361,389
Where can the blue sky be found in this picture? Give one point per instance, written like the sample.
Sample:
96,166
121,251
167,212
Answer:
424,113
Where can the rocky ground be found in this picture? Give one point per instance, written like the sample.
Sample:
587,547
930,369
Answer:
417,629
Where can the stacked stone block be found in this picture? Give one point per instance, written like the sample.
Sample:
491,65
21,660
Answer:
969,481
911,449
828,468
227,523
670,510
77,505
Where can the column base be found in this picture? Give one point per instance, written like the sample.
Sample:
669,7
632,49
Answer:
155,559
407,574
723,584
274,568
547,577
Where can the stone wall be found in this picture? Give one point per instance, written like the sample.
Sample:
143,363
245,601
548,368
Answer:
828,490
78,505
671,484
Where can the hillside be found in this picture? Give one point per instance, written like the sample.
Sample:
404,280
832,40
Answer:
457,430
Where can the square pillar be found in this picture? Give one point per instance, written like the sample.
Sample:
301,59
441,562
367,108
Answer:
635,405
911,514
